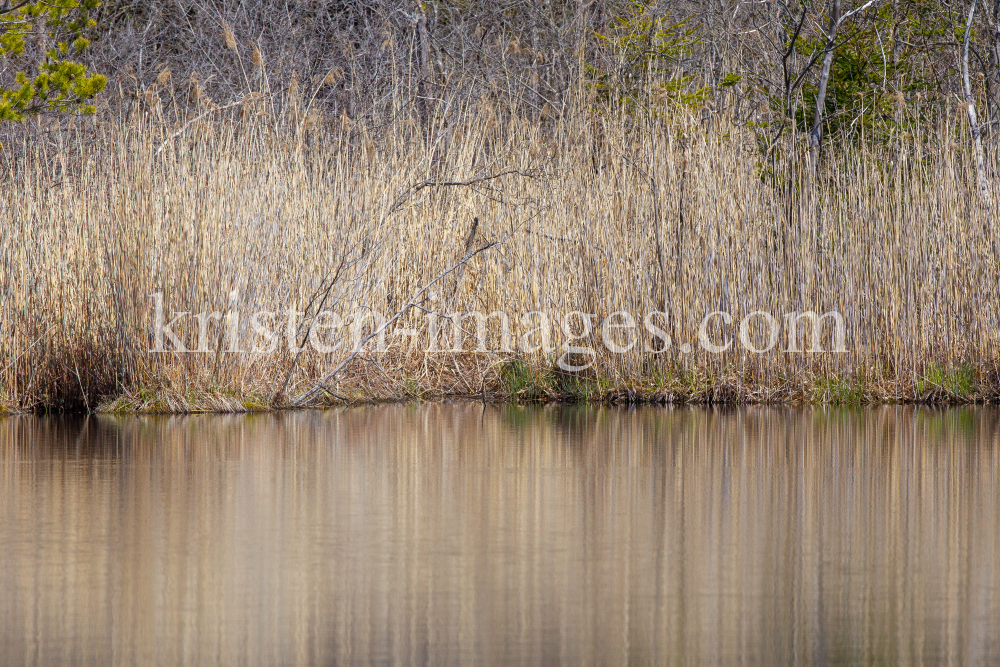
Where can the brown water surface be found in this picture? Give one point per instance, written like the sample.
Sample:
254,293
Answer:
459,534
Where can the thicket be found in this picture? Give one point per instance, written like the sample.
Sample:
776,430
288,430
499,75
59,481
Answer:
892,62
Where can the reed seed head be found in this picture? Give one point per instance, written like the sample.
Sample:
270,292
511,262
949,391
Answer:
227,34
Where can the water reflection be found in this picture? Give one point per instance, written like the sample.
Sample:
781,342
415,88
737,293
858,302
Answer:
455,533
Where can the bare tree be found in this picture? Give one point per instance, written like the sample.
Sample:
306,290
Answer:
970,102
816,135
836,21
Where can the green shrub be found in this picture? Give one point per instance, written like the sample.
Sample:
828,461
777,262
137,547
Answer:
46,77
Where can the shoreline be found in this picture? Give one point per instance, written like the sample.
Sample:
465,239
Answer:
829,393
495,401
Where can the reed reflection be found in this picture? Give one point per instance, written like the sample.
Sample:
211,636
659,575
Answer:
456,533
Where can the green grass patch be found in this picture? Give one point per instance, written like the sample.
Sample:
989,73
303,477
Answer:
836,390
958,383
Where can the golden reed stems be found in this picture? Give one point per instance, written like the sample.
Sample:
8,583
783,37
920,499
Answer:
594,212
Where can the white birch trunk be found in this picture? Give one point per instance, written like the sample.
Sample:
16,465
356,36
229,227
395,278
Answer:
970,102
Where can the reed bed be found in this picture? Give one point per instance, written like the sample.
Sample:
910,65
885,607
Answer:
588,211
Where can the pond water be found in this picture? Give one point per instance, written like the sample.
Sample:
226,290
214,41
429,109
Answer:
461,533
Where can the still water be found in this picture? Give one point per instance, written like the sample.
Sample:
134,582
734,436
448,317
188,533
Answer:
463,534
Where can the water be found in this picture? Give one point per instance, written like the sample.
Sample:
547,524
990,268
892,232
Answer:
458,533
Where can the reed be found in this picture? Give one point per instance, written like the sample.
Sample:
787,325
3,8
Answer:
592,210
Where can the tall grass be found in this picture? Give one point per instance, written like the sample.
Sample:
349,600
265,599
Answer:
591,211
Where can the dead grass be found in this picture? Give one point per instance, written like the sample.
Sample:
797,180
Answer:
592,212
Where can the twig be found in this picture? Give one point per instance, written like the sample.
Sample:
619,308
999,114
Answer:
856,11
195,120
23,352
569,239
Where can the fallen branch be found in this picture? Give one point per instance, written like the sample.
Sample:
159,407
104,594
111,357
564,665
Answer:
319,309
433,183
304,398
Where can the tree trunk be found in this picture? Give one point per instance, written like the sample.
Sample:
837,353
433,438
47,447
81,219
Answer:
994,56
424,56
977,143
816,136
